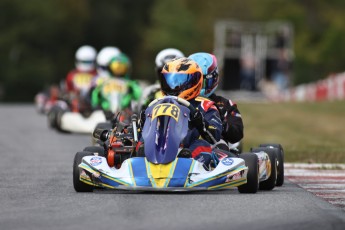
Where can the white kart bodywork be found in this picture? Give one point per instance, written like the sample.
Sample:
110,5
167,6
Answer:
230,172
76,123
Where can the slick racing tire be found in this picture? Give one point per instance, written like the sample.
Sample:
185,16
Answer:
59,115
95,149
78,185
280,162
52,116
270,183
251,161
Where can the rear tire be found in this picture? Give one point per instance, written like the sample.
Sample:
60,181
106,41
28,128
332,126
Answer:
52,116
251,161
270,183
59,115
280,162
78,185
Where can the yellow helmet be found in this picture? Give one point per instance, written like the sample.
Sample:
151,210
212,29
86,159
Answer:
181,77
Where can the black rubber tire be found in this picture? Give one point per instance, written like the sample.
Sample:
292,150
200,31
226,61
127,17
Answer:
78,185
52,116
270,183
59,115
252,185
95,149
280,162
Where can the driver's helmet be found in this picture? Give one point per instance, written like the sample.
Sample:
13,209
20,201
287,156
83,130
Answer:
208,64
120,66
181,77
166,55
85,58
103,58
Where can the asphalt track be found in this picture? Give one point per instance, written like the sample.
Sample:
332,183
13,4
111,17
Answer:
36,192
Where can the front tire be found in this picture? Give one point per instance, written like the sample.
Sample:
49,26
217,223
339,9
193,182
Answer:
78,185
52,116
251,161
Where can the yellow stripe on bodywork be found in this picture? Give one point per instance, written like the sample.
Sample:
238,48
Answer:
208,179
216,177
230,184
89,169
131,172
160,174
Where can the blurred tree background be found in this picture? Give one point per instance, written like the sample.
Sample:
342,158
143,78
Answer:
39,38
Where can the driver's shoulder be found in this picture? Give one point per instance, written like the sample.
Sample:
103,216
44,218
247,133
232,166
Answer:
205,103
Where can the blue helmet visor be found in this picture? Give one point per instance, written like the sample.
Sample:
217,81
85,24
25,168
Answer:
175,83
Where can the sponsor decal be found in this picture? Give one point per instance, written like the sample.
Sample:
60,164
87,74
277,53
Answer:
227,161
236,176
96,174
95,161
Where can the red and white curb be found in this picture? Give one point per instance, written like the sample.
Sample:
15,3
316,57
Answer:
326,181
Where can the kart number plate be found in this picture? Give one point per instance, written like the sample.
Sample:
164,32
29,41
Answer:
113,87
166,109
82,80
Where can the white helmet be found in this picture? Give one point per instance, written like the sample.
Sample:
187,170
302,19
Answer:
166,55
105,55
85,58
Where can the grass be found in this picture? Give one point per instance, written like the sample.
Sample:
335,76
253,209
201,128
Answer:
308,132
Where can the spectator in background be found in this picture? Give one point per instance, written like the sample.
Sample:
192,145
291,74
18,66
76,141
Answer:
282,65
247,72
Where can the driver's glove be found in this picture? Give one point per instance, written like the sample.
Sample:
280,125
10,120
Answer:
197,121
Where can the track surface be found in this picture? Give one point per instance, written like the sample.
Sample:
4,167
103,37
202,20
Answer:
323,180
36,192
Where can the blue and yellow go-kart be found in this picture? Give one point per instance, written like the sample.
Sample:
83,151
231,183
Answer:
161,168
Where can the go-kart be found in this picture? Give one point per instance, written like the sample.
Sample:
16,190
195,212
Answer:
66,116
161,166
70,118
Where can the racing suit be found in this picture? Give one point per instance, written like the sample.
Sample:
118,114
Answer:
230,115
196,141
77,85
79,81
133,93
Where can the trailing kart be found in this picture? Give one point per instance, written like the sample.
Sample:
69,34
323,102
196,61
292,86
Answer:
162,165
71,118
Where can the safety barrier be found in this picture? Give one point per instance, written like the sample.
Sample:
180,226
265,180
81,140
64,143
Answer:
331,88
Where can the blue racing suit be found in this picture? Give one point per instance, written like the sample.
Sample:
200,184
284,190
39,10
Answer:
195,140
